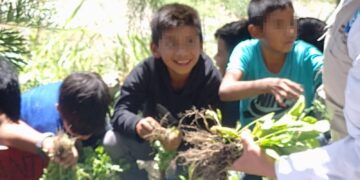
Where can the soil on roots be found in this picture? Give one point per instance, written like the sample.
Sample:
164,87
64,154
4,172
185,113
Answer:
210,155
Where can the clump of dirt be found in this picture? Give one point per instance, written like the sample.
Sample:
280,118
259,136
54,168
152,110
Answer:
207,154
62,144
210,155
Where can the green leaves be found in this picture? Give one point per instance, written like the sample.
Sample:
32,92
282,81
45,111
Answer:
93,164
298,107
293,132
162,158
13,46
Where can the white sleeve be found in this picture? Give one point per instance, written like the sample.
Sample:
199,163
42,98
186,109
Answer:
340,160
352,91
353,41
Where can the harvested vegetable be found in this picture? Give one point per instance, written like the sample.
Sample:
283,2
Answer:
93,164
216,149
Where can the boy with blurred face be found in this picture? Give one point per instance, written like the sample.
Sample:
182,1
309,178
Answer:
269,73
19,137
78,105
177,76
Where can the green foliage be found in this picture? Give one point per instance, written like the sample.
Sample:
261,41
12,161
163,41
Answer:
98,164
26,12
162,158
93,165
15,14
13,46
293,132
56,54
74,13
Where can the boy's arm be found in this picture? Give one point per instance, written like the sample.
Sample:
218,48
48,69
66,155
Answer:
126,119
233,88
21,136
18,135
132,98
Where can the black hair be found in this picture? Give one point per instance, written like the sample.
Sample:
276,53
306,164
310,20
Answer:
9,90
258,10
173,15
83,102
310,30
232,33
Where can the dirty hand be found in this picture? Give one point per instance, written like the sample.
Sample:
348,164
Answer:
283,89
68,157
145,126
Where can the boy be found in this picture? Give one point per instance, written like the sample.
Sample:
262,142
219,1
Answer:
341,159
178,76
269,73
24,143
78,105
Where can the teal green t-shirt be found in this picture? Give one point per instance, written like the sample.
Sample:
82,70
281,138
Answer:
302,65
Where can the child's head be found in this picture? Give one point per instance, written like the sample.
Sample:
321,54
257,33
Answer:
273,22
171,16
176,38
9,90
83,103
228,36
310,30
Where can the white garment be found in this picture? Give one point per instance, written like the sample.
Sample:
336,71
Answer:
340,160
337,63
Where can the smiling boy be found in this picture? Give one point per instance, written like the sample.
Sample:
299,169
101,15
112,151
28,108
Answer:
177,75
270,72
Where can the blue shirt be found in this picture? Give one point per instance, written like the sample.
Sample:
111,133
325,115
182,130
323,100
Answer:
38,108
302,65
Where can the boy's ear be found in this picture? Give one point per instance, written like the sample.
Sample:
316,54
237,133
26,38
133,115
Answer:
255,31
155,50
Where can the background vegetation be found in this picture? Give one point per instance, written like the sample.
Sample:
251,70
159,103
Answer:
48,39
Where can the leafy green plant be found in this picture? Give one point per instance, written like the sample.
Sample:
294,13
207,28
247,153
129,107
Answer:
13,46
36,13
294,131
93,164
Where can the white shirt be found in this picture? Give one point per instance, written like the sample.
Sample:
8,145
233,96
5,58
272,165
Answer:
340,160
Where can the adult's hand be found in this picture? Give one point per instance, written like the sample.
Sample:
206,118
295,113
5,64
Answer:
253,160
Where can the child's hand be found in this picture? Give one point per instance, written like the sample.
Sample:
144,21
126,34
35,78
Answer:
145,126
68,157
284,89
